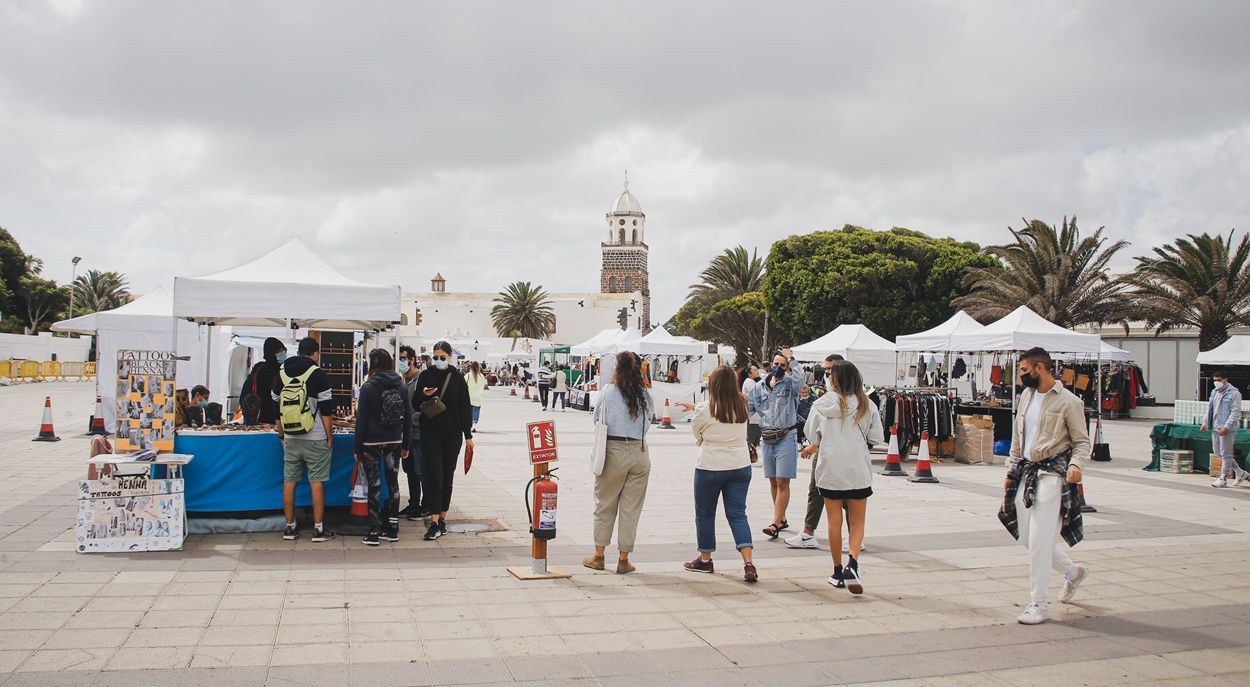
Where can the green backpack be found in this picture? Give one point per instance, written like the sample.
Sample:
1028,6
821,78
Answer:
294,411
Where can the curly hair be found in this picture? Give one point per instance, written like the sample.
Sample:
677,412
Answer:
628,380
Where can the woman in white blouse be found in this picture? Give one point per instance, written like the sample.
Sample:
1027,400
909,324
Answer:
722,470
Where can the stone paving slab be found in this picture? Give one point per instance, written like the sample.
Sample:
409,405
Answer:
1163,604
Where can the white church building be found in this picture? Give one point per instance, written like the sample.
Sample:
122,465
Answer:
623,297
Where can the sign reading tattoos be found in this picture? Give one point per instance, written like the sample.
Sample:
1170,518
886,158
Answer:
145,401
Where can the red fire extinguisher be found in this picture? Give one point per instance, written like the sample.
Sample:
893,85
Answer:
542,510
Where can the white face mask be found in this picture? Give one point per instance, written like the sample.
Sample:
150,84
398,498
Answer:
1220,384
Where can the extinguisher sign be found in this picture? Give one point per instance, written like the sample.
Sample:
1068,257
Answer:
542,440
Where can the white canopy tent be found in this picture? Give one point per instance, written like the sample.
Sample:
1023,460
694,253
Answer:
1023,329
938,339
872,354
145,324
609,342
1235,351
288,286
1106,352
660,342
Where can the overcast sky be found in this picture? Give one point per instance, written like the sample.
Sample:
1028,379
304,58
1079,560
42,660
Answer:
486,140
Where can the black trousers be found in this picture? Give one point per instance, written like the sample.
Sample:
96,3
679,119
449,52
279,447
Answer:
379,462
439,456
412,469
543,390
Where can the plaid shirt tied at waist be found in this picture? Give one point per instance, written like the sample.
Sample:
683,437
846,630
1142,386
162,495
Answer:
1024,475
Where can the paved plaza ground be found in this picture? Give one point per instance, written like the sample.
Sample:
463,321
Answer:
1167,601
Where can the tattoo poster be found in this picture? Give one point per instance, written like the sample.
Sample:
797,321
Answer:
133,513
145,401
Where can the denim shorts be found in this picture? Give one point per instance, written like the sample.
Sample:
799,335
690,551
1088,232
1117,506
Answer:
782,458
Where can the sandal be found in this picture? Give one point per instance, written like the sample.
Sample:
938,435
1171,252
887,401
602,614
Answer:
785,525
772,531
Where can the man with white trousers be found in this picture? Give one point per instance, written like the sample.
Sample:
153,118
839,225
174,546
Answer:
1049,446
1223,419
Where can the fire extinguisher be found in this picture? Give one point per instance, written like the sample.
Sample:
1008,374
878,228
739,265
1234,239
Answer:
542,510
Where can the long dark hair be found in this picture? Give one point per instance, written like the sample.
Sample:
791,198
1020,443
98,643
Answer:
475,369
628,380
724,395
379,361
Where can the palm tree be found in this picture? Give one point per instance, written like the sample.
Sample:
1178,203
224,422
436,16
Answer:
1058,274
732,273
96,291
523,310
1201,281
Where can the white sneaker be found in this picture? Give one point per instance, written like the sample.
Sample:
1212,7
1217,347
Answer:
846,547
1035,614
802,540
1070,585
1241,478
1219,483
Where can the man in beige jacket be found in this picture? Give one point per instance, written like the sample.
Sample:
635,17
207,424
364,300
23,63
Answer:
1049,446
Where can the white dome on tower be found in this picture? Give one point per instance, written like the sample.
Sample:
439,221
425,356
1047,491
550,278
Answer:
626,203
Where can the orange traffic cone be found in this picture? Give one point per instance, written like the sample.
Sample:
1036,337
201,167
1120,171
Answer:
893,465
527,391
46,433
924,469
97,420
512,391
667,421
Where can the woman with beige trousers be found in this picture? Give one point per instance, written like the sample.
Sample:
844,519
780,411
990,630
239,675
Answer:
621,488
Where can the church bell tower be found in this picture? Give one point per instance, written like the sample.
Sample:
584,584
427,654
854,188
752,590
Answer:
625,256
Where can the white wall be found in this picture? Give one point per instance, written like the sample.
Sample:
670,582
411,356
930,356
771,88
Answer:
442,313
1168,363
43,346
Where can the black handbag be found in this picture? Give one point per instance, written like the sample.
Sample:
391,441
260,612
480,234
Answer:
1101,452
433,407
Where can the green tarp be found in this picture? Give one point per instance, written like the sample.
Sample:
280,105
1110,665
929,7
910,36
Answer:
1168,435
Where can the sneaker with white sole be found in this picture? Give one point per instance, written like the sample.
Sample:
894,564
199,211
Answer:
1034,614
846,546
1070,585
1241,478
802,540
1219,483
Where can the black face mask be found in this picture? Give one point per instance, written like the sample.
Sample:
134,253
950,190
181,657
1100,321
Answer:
1029,380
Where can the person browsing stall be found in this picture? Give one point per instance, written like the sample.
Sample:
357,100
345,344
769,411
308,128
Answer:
409,367
305,406
263,377
383,424
443,432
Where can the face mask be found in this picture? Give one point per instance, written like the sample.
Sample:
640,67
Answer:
778,371
440,364
281,357
1220,384
403,366
1030,381
203,404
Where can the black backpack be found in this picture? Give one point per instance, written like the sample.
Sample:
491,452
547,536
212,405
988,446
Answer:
391,406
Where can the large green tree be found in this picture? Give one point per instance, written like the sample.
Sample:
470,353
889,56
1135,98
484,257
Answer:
14,264
1200,281
97,290
523,310
1058,274
727,307
894,282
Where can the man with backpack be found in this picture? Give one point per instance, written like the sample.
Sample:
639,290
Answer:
305,405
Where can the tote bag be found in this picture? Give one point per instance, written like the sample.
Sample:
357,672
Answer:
599,451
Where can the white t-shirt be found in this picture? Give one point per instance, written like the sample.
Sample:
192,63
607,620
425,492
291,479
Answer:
1032,422
747,385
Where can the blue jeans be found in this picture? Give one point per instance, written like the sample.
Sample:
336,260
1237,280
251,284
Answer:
732,486
477,412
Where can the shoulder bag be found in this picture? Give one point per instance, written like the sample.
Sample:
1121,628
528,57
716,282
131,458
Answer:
433,407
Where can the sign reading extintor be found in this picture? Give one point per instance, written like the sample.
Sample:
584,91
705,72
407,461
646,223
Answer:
542,442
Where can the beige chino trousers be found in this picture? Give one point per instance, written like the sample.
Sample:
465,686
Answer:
620,491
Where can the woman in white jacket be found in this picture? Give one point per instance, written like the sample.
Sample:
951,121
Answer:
842,425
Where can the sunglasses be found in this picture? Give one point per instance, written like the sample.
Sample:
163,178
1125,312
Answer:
441,357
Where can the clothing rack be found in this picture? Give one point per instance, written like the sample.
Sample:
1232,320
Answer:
916,410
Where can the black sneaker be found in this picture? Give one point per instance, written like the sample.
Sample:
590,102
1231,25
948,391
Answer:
406,510
854,583
391,532
418,514
291,533
370,539
838,578
322,534
442,526
433,533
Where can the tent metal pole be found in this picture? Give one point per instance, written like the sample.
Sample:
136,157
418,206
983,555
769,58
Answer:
208,358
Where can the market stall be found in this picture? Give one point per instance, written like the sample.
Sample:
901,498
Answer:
872,354
240,470
1232,358
145,324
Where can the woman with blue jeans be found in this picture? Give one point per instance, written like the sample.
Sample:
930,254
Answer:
722,471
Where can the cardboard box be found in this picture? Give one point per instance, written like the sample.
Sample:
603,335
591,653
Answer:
974,445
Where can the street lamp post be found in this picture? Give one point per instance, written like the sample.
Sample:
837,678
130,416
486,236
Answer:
73,278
